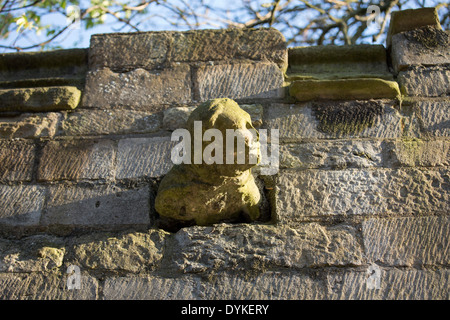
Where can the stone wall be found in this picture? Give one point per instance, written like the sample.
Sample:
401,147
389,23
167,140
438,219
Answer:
363,179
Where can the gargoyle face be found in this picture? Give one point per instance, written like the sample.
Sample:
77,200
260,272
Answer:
237,149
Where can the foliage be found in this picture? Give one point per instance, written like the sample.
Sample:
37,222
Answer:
34,24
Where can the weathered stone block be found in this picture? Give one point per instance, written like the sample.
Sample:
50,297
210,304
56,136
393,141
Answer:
363,119
421,241
62,64
332,154
40,99
109,122
153,50
176,117
361,192
338,62
410,19
101,206
127,251
16,160
76,159
149,288
425,82
230,44
128,51
21,205
425,46
394,285
344,89
240,81
39,286
137,88
418,152
28,125
434,117
263,286
258,247
144,157
38,253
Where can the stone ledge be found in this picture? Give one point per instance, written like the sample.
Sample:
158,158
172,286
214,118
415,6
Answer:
41,65
39,99
338,62
344,89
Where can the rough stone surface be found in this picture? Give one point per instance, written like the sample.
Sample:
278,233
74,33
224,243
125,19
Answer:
260,247
48,286
149,288
109,122
127,251
425,82
176,118
343,120
240,81
394,285
102,206
76,159
40,99
418,152
332,154
424,46
407,241
344,89
38,253
144,157
29,125
366,192
124,52
406,20
230,44
16,160
271,285
21,205
139,88
153,50
434,117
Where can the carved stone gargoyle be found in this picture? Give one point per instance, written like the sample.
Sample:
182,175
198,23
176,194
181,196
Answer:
205,193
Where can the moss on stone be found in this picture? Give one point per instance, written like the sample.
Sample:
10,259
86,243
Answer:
344,89
346,118
40,99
